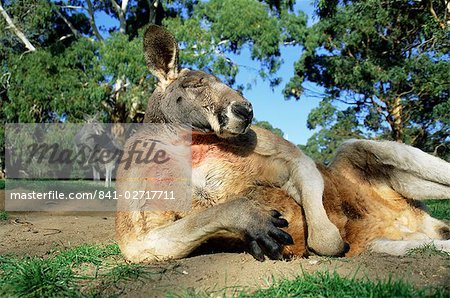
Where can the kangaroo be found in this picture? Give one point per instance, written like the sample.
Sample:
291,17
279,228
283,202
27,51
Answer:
83,139
220,119
248,183
370,194
94,140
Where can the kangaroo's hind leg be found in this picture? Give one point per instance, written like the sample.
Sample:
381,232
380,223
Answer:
409,171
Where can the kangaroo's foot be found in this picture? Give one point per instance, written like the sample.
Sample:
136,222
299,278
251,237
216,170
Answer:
306,186
326,240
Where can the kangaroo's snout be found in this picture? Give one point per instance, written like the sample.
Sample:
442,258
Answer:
243,111
235,118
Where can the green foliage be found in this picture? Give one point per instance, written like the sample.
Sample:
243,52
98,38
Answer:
34,17
388,62
124,70
268,126
45,85
338,126
215,28
77,80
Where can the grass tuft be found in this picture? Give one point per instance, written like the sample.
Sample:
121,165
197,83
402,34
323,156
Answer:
428,249
439,209
34,277
86,253
3,215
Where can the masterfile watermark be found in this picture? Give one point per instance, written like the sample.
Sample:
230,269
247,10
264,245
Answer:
53,154
93,167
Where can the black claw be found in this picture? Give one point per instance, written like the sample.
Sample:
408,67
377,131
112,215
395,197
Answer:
271,248
256,251
280,222
265,238
281,237
275,213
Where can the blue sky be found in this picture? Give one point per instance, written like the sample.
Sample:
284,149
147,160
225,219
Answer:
270,105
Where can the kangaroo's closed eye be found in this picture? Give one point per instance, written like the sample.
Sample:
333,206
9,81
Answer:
196,83
193,85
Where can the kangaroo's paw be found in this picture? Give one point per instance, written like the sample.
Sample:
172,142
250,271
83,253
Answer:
264,235
327,240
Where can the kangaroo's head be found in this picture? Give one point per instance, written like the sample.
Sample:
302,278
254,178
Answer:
92,127
190,97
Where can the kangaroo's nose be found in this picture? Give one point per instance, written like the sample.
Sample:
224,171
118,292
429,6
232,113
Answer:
244,112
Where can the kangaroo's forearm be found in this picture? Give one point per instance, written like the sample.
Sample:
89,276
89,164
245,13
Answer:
179,238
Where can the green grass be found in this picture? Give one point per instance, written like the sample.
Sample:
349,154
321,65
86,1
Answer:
428,250
439,209
2,184
86,270
99,271
3,215
325,284
33,277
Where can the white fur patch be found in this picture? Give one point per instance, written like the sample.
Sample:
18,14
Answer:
402,247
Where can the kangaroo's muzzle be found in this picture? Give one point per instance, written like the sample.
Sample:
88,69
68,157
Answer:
236,118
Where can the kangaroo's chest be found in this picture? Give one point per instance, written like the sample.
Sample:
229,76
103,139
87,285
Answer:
220,172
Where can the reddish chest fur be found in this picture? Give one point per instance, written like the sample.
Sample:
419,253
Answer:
204,146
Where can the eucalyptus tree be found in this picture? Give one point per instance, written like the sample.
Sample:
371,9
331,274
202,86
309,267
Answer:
384,67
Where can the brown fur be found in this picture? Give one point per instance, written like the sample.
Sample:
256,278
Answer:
362,213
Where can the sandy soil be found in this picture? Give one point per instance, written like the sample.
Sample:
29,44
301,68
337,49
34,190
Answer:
38,233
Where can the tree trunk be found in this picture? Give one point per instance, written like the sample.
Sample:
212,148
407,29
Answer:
16,30
68,23
92,21
395,119
156,12
121,13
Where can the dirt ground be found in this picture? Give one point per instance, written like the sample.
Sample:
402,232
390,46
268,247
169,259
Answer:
37,233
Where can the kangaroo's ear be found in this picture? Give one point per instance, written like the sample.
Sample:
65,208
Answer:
161,54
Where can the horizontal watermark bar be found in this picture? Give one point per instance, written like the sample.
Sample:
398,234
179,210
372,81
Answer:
98,167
